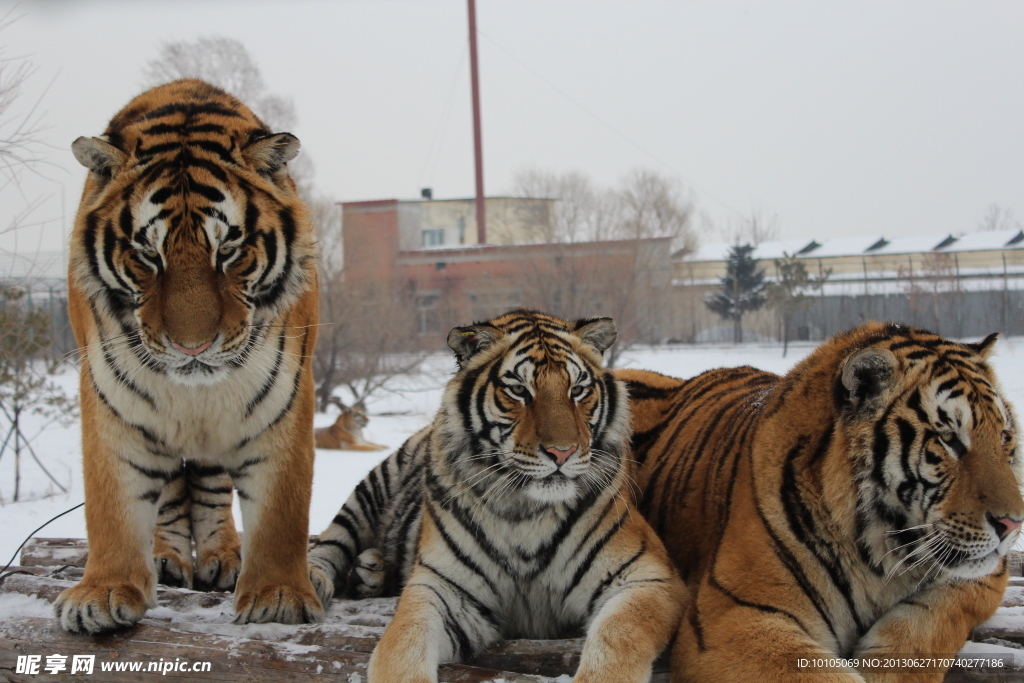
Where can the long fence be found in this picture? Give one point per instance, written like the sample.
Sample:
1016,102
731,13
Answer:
951,314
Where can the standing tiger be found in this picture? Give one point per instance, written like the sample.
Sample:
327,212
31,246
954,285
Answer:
510,516
861,506
193,297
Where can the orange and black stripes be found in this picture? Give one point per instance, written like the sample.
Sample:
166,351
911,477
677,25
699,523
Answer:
875,471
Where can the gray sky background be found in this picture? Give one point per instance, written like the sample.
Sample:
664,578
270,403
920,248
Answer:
842,118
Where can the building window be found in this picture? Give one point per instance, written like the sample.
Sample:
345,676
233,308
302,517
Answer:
428,313
491,303
433,238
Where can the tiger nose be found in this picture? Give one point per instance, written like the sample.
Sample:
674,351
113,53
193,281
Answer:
560,455
192,350
1004,526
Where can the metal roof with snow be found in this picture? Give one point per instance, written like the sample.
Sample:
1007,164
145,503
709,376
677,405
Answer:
865,246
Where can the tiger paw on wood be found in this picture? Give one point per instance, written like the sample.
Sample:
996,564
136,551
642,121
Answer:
193,297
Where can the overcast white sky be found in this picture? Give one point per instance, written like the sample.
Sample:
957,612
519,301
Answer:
886,118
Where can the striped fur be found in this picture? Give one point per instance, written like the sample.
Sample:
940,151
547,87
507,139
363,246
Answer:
193,299
849,508
510,516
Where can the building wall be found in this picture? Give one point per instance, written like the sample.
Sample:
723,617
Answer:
510,220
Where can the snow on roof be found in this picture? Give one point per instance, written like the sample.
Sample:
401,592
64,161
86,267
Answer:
979,241
844,246
870,245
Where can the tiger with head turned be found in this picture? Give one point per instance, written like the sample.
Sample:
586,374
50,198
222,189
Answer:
509,516
193,296
346,434
861,506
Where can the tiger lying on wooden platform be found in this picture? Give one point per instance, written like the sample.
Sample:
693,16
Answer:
861,506
510,516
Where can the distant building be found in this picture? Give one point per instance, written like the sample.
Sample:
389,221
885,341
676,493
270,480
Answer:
426,252
452,222
966,285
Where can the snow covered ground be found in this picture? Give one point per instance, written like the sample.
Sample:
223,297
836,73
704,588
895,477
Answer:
394,416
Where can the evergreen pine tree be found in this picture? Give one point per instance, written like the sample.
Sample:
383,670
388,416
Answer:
742,289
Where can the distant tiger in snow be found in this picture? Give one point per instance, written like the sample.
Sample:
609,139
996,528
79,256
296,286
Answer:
346,434
510,516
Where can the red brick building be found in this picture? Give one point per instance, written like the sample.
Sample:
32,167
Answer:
455,284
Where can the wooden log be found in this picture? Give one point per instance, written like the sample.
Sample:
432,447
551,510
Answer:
340,646
230,658
54,552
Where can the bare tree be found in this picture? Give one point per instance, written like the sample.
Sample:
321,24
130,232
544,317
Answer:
753,229
368,335
788,293
998,218
654,205
582,212
21,150
225,63
626,278
24,387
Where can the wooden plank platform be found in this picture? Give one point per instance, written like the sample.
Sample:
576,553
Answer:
197,627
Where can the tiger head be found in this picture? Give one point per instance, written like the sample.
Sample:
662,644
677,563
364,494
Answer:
190,237
532,418
936,449
352,417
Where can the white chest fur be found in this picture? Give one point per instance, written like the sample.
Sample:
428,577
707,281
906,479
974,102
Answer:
207,422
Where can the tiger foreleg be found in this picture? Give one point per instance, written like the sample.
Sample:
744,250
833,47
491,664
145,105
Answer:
218,546
933,623
435,623
721,640
365,446
172,542
274,493
636,615
122,485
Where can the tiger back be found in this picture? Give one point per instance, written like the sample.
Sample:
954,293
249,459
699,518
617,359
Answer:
193,297
861,506
510,515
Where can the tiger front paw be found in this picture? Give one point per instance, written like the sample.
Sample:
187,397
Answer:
323,582
368,574
172,568
94,609
218,569
278,603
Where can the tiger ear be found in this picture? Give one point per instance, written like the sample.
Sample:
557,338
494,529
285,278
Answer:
269,155
866,374
598,332
985,347
468,341
99,156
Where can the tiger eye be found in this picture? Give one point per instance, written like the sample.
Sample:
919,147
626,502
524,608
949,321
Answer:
227,250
